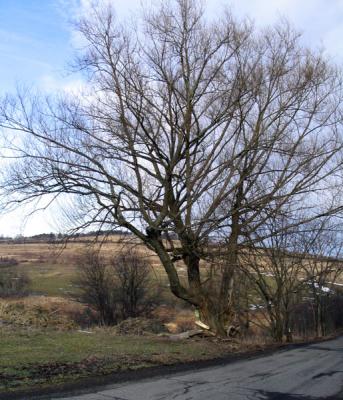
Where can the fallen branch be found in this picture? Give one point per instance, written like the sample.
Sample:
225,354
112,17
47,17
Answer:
190,334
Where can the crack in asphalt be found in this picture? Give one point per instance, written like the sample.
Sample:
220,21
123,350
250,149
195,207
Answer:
331,373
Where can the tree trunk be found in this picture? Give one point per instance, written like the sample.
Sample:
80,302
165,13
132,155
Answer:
214,304
318,319
277,329
278,333
288,331
322,313
215,317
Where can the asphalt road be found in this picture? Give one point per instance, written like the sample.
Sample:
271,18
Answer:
306,373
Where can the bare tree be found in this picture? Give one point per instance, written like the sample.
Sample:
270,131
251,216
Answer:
276,268
322,267
289,266
189,128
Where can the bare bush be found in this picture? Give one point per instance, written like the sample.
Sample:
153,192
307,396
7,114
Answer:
131,274
97,287
118,289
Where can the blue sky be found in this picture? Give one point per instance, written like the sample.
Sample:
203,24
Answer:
36,44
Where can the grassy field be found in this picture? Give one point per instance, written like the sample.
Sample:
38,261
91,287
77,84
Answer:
52,268
50,271
32,357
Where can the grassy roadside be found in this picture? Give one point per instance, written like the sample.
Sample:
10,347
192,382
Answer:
35,358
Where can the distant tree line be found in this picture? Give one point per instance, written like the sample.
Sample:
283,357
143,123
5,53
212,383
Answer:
59,237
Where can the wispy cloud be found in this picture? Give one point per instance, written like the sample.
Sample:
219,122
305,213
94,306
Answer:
320,22
53,84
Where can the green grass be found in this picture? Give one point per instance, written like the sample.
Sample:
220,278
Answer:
50,279
35,358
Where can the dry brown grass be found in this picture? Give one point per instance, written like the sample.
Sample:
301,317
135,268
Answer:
175,320
41,312
29,252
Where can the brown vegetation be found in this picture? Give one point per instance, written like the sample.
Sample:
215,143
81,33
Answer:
43,312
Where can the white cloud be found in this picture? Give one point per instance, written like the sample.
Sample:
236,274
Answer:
53,84
321,22
332,42
19,222
74,9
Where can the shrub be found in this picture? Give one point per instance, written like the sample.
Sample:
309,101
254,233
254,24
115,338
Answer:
97,287
132,280
117,289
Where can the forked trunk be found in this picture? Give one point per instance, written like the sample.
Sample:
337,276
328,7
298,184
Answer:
214,305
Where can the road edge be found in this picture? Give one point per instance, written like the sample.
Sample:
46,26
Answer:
95,384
